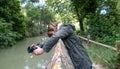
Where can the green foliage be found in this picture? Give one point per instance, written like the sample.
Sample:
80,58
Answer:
103,56
82,8
34,30
34,0
62,10
118,6
12,23
79,32
10,11
38,17
115,60
7,36
105,29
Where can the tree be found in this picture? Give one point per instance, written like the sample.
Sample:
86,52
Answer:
73,9
105,28
10,11
82,8
62,10
12,23
38,17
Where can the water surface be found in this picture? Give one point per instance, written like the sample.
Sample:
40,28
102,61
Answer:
17,57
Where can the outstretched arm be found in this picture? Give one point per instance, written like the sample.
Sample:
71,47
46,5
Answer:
63,32
49,43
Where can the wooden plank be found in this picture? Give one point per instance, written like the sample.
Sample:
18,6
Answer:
107,46
119,65
60,59
118,45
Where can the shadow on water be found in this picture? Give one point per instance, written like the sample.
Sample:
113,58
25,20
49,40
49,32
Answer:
18,58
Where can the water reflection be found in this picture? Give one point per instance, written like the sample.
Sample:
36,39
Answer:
18,58
39,63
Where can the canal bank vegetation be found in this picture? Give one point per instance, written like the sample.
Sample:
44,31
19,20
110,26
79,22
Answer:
12,23
26,18
21,19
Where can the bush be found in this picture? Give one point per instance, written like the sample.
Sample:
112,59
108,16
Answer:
7,36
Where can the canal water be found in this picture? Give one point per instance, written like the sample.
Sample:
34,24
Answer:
17,56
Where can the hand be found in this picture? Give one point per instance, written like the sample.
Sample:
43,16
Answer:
38,51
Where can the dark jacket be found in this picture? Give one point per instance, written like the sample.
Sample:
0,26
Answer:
75,49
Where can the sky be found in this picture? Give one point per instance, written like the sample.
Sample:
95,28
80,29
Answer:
42,2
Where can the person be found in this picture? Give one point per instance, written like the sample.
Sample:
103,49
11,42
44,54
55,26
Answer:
75,49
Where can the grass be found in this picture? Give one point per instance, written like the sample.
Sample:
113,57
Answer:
101,55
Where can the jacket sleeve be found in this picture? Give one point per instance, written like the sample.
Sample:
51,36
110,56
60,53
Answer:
63,32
